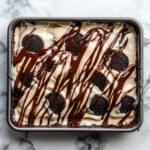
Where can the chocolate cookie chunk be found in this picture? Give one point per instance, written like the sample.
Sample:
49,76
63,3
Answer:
98,105
49,65
56,102
74,44
68,76
33,43
119,61
16,95
123,33
26,80
100,80
127,104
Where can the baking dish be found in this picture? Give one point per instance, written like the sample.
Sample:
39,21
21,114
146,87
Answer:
101,20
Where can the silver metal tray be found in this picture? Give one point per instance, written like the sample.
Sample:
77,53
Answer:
139,31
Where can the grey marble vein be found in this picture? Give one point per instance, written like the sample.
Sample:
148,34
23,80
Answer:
3,93
146,41
89,142
26,135
146,107
24,140
147,84
2,47
15,7
6,146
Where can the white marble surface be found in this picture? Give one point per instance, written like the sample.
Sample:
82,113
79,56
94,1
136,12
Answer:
11,140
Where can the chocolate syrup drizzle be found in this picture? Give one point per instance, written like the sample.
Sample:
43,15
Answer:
77,106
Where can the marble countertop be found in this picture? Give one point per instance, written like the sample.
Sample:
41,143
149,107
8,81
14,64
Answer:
9,139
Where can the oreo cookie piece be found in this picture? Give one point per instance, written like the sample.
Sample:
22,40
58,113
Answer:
33,43
68,76
78,24
56,102
16,95
98,105
126,27
124,31
49,65
100,80
127,104
72,44
26,80
119,61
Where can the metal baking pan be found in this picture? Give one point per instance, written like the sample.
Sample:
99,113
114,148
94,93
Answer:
139,31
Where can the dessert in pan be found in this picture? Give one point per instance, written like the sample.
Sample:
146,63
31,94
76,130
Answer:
74,74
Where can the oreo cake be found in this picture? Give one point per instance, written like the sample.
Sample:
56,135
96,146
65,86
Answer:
71,74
